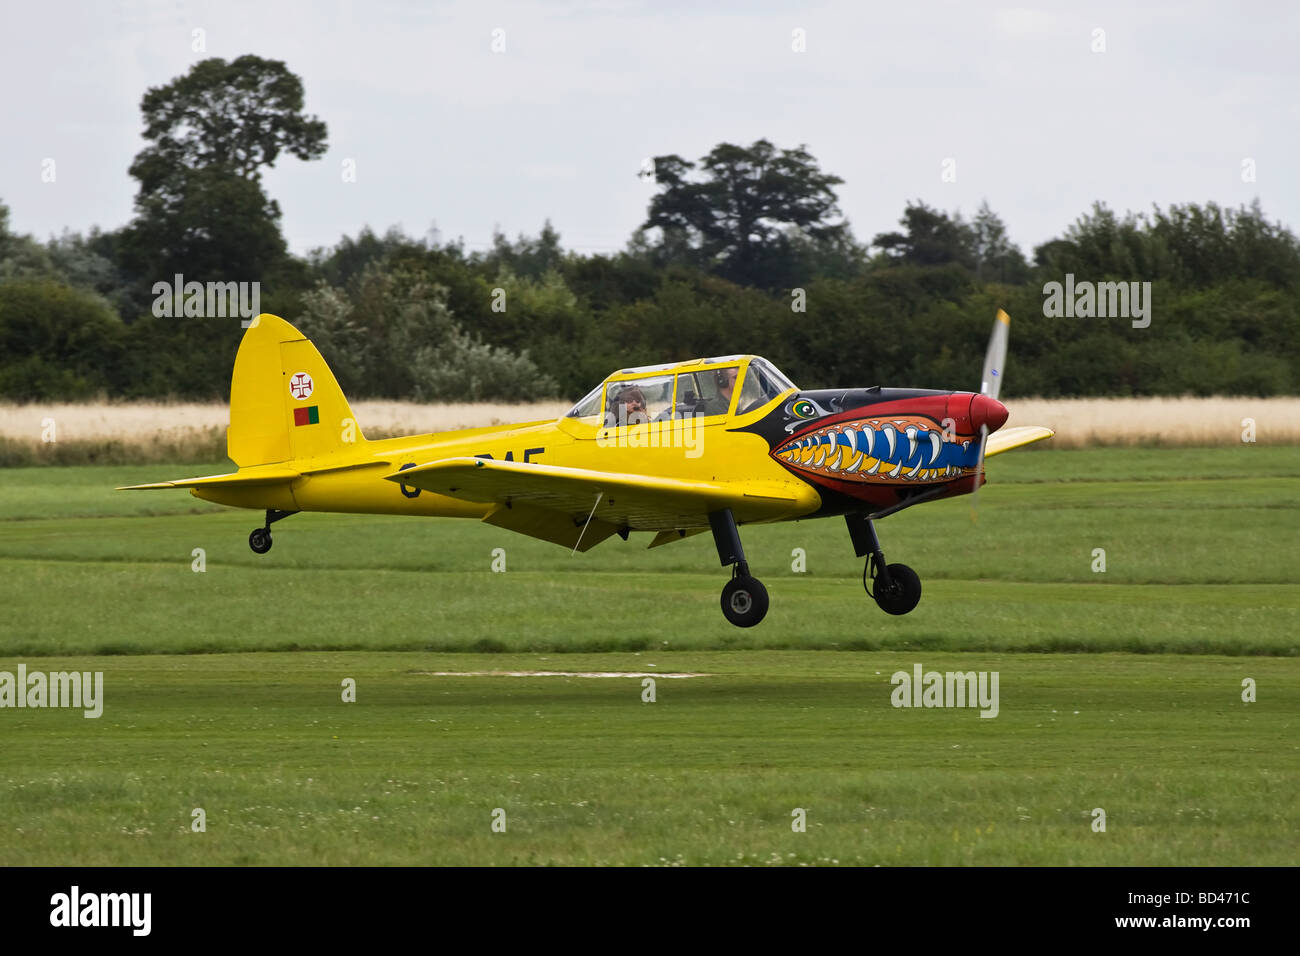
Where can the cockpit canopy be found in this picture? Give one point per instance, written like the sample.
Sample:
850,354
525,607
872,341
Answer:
701,387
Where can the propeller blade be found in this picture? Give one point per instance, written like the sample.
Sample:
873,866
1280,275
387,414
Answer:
996,356
979,472
991,385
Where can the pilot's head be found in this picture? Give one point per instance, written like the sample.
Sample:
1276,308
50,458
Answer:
726,379
633,398
628,406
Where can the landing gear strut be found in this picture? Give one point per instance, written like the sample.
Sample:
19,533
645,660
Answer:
744,599
896,588
260,540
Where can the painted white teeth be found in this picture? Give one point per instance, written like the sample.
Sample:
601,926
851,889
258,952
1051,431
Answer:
850,450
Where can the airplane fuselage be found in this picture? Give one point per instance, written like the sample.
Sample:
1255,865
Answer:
838,449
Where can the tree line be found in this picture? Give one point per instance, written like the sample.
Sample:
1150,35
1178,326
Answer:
742,250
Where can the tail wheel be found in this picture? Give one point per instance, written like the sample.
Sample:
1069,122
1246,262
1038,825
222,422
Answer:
744,601
903,592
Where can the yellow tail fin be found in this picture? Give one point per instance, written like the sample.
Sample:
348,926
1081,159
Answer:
285,404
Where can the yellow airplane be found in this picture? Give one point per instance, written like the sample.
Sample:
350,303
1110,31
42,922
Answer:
679,449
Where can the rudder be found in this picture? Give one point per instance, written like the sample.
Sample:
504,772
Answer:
285,404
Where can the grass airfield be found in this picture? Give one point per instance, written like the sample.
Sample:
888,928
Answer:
1118,690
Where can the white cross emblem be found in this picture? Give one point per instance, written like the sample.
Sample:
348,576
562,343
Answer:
300,386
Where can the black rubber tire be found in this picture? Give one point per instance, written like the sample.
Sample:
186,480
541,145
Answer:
260,540
744,601
904,592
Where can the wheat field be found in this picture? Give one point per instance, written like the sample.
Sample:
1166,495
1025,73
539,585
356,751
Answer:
98,421
148,432
144,432
1091,422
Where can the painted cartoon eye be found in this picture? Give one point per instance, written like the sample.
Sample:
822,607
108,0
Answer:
803,409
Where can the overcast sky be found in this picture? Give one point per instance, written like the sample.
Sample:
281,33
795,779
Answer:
441,128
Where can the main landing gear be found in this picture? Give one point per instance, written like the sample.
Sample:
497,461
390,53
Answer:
260,539
896,588
744,599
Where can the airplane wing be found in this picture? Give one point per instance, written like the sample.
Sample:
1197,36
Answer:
554,503
1005,439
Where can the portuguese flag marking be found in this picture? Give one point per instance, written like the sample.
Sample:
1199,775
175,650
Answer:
307,416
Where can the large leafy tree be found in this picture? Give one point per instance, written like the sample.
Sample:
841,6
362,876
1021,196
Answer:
997,258
200,207
210,226
736,211
930,238
235,116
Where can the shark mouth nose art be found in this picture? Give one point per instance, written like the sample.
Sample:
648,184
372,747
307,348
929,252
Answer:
880,450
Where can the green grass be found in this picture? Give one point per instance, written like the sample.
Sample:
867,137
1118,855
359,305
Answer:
1194,564
1202,590
709,773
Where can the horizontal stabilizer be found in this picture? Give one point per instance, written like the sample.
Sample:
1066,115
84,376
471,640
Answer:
247,477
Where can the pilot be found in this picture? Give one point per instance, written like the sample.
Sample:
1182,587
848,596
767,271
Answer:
725,378
627,408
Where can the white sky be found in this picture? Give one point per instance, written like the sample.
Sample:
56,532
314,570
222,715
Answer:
443,129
